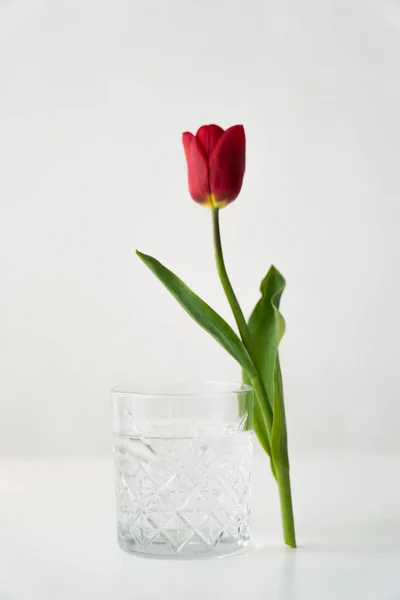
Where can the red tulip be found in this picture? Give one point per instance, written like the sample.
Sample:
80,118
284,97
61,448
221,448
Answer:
216,164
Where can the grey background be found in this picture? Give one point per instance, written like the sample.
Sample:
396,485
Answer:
93,99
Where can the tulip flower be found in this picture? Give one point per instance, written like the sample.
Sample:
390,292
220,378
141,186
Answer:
216,164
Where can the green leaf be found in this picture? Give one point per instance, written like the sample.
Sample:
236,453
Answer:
201,312
258,421
279,444
267,326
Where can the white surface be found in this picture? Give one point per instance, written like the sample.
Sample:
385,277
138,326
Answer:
58,537
94,96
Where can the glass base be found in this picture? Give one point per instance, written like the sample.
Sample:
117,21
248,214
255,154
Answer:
193,549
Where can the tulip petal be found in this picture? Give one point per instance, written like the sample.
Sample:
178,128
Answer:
197,168
227,164
208,136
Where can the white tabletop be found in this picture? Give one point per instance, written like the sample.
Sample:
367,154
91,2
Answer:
57,537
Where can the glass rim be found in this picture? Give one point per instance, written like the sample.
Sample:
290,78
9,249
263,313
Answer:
230,388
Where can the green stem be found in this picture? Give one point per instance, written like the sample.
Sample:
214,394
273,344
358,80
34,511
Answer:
256,381
285,497
280,473
226,284
265,408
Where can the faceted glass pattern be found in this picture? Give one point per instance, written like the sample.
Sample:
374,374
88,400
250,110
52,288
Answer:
183,484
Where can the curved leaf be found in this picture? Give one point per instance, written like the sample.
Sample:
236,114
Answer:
267,327
201,312
279,445
258,421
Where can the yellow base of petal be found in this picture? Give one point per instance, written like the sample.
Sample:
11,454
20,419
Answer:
211,202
